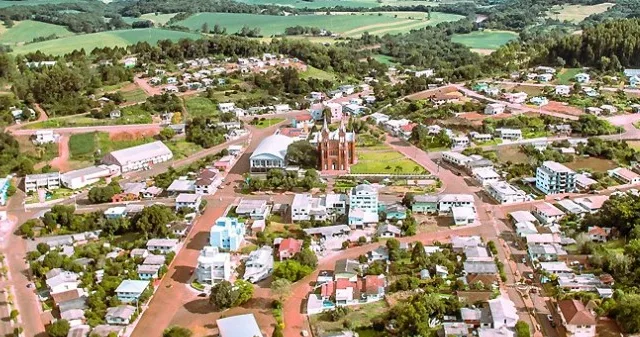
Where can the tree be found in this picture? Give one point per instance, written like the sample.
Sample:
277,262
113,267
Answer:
277,332
177,331
14,314
522,329
205,28
244,290
393,246
59,328
291,270
628,313
153,220
177,117
302,154
407,199
223,295
306,257
281,288
419,255
166,134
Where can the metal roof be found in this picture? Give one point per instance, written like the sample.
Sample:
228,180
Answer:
141,152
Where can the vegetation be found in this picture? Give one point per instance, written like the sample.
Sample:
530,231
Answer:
225,295
98,195
522,329
177,331
284,181
302,154
291,270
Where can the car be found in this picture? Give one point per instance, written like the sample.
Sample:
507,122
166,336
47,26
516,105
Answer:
29,285
557,198
550,318
304,333
202,295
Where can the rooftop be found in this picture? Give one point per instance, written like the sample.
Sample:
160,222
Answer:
274,145
132,286
575,313
140,152
556,167
239,326
548,209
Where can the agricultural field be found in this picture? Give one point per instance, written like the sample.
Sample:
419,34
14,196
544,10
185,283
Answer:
576,13
116,38
200,106
343,24
7,3
27,30
159,19
383,159
488,39
135,95
345,3
320,74
85,145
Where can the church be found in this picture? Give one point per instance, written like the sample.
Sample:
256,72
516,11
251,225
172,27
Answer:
337,148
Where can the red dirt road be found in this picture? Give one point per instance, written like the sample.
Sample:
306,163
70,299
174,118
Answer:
61,162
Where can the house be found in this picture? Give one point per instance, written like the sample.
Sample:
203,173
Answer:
270,153
388,231
288,248
461,243
584,182
509,134
226,107
120,315
67,295
480,270
592,203
515,98
151,259
571,207
503,312
522,216
555,268
181,185
594,111
59,280
105,330
598,234
379,254
208,181
539,101
625,175
455,158
79,331
191,201
363,199
576,319
525,228
485,175
480,137
256,209
505,193
463,215
335,204
89,175
424,73
148,272
373,288
359,218
582,78
545,70
494,109
118,212
545,252
446,202
426,204
441,271
353,109
547,214
130,62
459,142
563,90
579,282
163,246
213,266
130,290
139,157
45,137
346,269
378,118
393,211
227,233
335,111
259,265
553,177
139,253
49,181
544,77
239,326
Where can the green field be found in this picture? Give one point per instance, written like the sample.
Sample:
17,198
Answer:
4,4
485,39
84,145
576,13
136,95
345,3
388,60
317,73
383,159
160,19
346,25
200,106
130,115
566,75
118,38
26,31
268,122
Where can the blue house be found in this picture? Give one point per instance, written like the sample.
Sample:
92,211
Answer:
148,271
4,186
130,290
227,233
393,211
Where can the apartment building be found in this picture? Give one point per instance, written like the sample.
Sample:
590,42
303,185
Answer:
553,177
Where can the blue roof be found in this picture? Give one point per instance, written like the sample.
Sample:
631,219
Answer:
132,286
239,326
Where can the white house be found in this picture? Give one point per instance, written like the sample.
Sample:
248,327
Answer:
33,182
446,202
130,290
485,175
505,193
213,266
120,315
576,319
494,109
625,175
582,78
547,213
226,107
424,73
455,158
45,137
259,265
563,90
509,134
185,200
503,312
164,246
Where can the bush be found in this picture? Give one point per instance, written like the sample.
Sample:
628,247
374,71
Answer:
492,248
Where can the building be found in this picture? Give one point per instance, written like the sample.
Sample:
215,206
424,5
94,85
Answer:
494,109
270,153
239,326
485,175
89,175
503,312
446,202
208,181
625,175
364,197
256,209
463,215
213,266
226,107
191,201
227,233
337,148
577,320
425,204
130,290
181,185
553,177
45,137
592,203
139,157
335,111
563,90
509,134
288,248
148,272
259,265
582,78
164,246
571,207
388,231
120,315
117,212
505,193
49,181
547,214
455,158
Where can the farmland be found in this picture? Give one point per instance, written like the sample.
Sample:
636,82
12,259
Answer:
486,39
104,39
159,19
576,13
344,24
26,31
345,3
7,3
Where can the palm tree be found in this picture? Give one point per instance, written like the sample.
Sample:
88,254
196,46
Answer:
397,169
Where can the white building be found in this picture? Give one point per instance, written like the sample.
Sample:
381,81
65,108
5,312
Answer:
185,200
447,201
563,90
509,134
625,175
33,182
259,265
553,177
463,215
547,213
89,175
226,107
485,175
139,157
164,246
582,78
505,193
494,109
424,73
213,266
503,312
270,153
576,319
455,158
45,137
364,197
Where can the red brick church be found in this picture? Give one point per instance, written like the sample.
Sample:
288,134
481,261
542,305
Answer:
337,148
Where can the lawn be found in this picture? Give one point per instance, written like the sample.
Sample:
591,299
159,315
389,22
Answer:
84,145
267,122
320,74
118,38
181,148
388,60
576,13
358,317
200,106
566,75
347,25
26,31
512,154
384,160
135,95
488,39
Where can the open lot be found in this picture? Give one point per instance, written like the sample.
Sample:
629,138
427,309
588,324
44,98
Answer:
595,164
358,317
84,145
344,24
200,106
383,159
566,75
118,38
576,13
27,30
488,39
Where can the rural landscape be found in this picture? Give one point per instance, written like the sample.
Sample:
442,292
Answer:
325,168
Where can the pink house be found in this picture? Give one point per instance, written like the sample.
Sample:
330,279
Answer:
288,248
336,111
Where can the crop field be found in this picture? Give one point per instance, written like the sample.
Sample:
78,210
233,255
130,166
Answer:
82,146
119,38
344,24
576,13
486,39
345,3
26,31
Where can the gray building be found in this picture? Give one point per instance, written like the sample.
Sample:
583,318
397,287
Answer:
552,178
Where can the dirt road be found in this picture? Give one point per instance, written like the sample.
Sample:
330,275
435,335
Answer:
61,162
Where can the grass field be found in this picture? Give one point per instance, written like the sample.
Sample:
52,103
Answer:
358,317
346,25
4,4
200,106
84,145
576,13
118,38
181,148
317,73
267,122
383,159
595,164
388,60
566,75
136,95
26,31
160,19
486,39
346,3
130,115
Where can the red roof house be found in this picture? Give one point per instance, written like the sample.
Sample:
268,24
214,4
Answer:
288,248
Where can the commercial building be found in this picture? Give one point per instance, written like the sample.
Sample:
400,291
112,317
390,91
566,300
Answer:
270,153
485,175
364,197
227,233
213,266
139,157
89,175
553,177
33,182
505,193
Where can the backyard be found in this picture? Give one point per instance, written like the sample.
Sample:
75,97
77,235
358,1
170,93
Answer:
384,160
358,317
